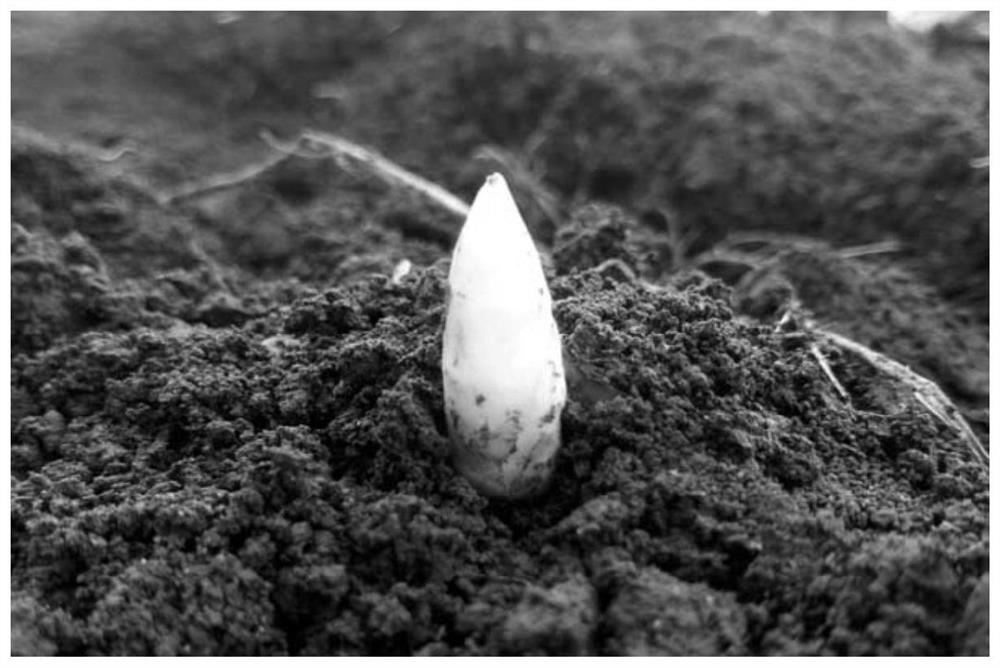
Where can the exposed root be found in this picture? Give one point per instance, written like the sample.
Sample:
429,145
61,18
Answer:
925,391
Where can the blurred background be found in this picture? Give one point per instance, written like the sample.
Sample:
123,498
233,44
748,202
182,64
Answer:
848,127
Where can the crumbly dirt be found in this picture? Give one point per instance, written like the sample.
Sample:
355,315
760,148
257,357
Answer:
228,433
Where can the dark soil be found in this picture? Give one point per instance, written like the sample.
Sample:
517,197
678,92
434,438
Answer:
227,421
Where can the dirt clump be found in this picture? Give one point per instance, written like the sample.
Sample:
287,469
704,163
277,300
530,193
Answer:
283,485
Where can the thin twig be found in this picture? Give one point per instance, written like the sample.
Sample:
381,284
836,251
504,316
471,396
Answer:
825,366
950,416
225,181
925,391
772,240
743,259
387,170
115,154
292,148
401,269
680,242
64,145
870,249
620,265
787,318
330,146
524,180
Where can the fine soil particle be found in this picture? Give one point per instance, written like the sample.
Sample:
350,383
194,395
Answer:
228,434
